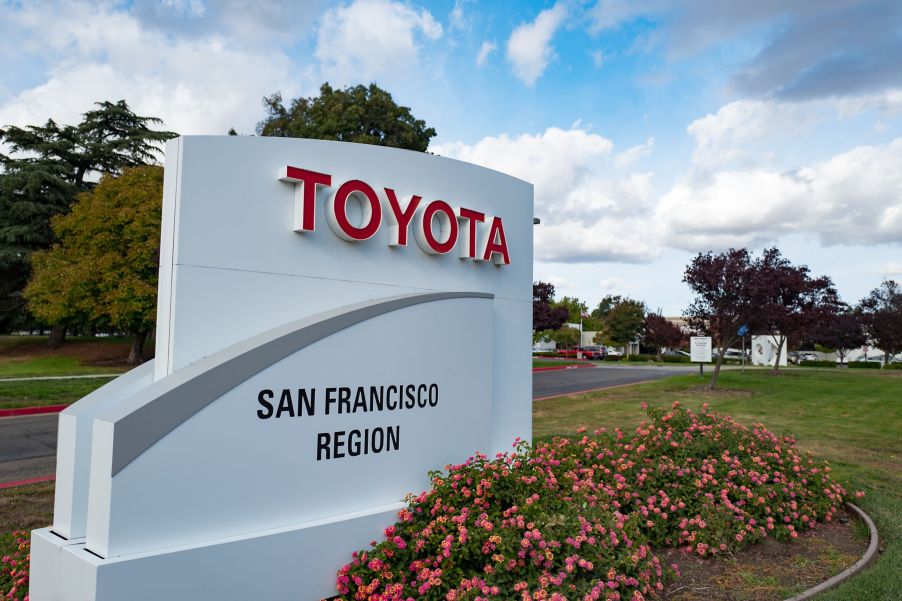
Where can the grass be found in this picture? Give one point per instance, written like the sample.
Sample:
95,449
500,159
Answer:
50,366
46,392
851,418
536,363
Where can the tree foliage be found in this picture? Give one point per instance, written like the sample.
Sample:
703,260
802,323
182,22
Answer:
881,315
791,304
840,332
575,308
660,332
725,298
104,269
623,322
362,114
564,337
47,167
545,314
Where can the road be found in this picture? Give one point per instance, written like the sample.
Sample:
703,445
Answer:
28,443
567,381
27,446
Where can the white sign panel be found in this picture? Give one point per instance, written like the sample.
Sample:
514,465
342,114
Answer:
700,349
335,320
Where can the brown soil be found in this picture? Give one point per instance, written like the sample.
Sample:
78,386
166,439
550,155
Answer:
26,507
771,570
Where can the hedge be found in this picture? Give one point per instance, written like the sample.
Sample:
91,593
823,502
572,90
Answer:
864,365
674,358
817,364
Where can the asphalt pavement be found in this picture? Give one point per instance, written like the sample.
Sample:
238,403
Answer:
28,443
605,375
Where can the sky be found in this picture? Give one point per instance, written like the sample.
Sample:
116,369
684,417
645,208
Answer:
652,130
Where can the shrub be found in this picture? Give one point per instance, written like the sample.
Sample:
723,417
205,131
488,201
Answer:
613,357
896,365
641,357
817,364
675,358
578,517
15,557
864,365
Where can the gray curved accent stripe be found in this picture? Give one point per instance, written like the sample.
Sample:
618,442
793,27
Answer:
147,416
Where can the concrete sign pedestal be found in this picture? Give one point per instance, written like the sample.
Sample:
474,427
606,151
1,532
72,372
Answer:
305,380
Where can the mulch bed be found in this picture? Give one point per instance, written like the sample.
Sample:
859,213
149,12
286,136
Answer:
770,570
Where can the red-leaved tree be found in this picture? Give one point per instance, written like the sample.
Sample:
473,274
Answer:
659,332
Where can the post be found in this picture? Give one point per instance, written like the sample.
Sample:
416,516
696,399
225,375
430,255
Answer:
701,370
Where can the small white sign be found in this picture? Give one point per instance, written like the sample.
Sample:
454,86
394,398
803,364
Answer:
700,349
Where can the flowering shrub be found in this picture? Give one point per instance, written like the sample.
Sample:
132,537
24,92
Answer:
578,518
14,560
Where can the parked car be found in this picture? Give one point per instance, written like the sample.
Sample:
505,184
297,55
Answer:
612,352
733,353
588,352
594,352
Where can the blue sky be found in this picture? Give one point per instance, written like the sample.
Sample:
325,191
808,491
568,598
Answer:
652,129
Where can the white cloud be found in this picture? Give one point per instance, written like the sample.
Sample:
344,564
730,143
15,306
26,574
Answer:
529,47
853,198
893,268
597,58
634,153
372,39
94,52
484,51
587,214
720,137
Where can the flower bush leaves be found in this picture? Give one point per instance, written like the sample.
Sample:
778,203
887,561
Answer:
14,561
578,518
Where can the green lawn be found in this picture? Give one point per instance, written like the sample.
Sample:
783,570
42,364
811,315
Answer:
851,418
550,363
50,366
46,392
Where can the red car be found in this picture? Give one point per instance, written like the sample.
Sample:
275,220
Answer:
589,352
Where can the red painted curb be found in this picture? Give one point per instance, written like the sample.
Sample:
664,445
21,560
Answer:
24,482
32,410
555,368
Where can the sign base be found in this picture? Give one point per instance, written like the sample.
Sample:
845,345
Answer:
278,565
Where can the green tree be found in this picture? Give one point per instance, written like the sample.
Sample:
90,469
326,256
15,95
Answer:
564,337
103,270
47,167
575,308
623,322
367,115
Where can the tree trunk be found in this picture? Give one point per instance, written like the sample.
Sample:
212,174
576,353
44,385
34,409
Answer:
57,336
136,354
776,370
658,357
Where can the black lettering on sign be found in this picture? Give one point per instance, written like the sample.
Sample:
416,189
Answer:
336,445
263,399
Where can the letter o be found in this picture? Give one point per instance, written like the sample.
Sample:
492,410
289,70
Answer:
337,211
442,212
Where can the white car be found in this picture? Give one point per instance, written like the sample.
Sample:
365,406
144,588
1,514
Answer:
612,352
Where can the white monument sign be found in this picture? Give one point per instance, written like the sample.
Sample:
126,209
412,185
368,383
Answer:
334,320
700,349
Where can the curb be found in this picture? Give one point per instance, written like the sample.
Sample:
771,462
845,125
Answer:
31,410
557,368
15,483
857,567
